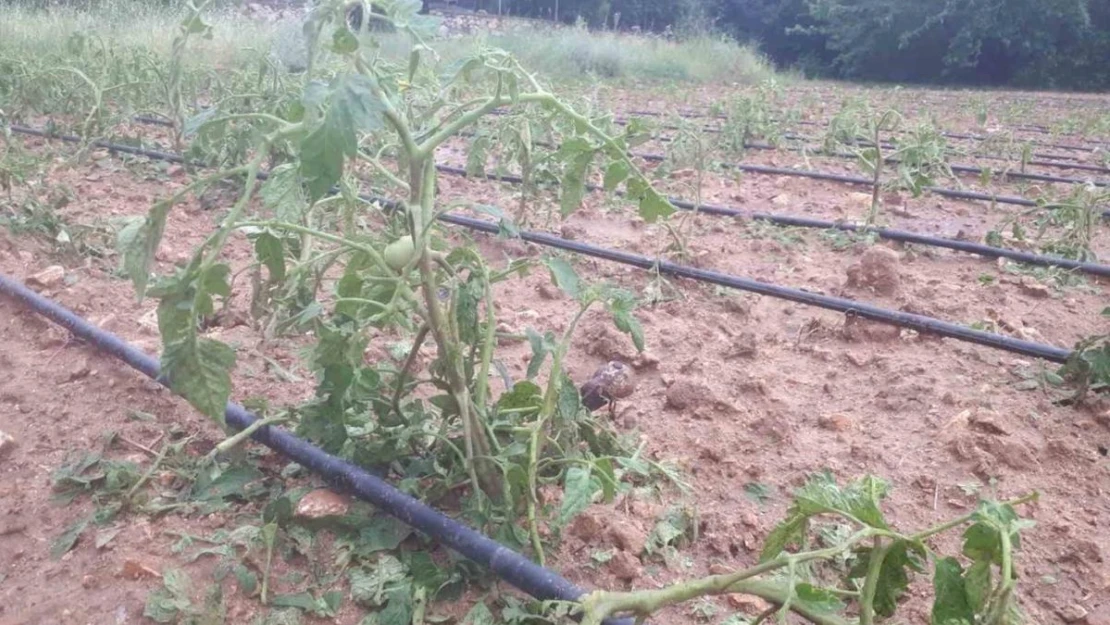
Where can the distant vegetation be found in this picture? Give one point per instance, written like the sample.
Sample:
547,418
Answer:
1029,43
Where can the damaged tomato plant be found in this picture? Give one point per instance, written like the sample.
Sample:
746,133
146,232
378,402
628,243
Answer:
362,117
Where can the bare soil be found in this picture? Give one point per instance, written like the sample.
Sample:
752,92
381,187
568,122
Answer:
742,392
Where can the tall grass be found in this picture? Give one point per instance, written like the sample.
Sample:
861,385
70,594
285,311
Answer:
569,53
29,31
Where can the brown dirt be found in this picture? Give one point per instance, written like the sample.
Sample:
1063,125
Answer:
736,389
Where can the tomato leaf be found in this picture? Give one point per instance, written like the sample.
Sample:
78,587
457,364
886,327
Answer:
950,602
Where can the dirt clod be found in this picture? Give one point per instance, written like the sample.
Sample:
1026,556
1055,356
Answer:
628,537
1100,616
48,278
686,393
835,422
1072,613
748,604
1035,289
133,569
625,566
877,270
586,526
745,345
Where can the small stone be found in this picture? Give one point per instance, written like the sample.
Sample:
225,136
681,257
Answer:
7,443
88,581
835,422
625,566
322,503
719,569
48,278
1072,613
782,199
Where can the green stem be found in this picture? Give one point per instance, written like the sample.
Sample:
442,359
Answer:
383,170
399,387
871,582
239,437
149,472
481,388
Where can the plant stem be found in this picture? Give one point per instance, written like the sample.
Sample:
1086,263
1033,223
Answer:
871,582
399,388
237,439
600,605
149,472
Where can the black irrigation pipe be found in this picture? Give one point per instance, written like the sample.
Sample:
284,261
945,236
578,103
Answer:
963,169
154,121
507,564
724,211
842,178
979,249
1099,145
958,194
920,323
1057,161
890,234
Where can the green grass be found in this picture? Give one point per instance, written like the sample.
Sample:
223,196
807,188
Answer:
27,31
560,54
571,52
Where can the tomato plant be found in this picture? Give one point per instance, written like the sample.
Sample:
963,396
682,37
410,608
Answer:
361,117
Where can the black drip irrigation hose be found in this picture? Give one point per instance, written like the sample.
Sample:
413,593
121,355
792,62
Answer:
958,194
890,234
507,564
1099,145
920,323
1039,159
855,180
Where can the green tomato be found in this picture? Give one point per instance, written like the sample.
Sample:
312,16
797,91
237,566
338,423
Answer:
399,253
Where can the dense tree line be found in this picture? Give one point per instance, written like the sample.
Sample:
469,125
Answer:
1048,43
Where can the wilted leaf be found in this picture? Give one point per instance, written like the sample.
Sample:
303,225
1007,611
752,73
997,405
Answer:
67,539
354,109
138,241
615,174
283,193
564,276
950,606
578,490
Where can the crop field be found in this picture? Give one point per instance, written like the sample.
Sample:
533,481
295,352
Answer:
536,325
